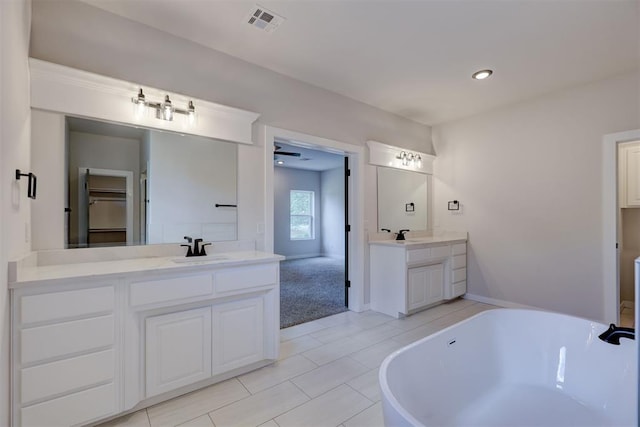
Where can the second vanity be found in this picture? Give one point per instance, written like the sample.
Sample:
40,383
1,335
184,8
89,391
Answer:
91,340
417,273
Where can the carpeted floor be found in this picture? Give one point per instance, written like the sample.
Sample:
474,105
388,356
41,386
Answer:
310,288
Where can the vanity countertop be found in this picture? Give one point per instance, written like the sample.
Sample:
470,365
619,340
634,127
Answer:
32,275
451,237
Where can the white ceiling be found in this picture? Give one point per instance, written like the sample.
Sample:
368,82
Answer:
309,159
415,58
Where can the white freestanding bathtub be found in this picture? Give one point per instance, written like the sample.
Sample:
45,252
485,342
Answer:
510,367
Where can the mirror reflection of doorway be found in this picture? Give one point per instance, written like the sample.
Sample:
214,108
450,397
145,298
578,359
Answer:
309,230
105,207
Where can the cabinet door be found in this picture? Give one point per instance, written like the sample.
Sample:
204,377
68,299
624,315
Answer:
238,333
425,286
178,349
633,175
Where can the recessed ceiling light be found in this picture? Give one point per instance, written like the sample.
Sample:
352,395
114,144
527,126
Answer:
280,162
482,74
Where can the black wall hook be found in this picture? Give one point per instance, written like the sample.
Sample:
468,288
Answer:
33,181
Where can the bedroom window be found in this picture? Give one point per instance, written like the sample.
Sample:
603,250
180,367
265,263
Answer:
301,215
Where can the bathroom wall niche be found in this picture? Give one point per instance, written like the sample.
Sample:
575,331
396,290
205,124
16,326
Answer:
128,185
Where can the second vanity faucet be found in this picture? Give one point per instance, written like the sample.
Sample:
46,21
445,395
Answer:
198,247
401,234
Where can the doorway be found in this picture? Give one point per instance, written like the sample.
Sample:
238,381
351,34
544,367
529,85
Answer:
309,230
612,226
355,238
105,207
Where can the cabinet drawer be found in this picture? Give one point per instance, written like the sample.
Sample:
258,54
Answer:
458,249
44,342
417,255
458,275
459,288
43,381
459,261
232,279
60,305
76,408
169,290
427,254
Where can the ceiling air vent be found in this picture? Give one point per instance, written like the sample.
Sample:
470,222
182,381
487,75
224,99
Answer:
264,19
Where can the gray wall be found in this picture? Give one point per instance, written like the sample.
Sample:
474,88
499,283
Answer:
82,36
332,212
285,180
529,178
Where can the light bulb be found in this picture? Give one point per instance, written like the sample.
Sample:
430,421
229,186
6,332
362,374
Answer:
419,161
167,109
140,103
482,74
191,113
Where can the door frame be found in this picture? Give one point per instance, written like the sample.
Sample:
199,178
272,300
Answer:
610,225
356,256
128,175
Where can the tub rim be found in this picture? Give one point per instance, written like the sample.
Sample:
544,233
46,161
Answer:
382,373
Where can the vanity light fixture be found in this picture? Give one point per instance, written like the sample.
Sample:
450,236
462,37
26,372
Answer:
410,159
164,110
403,157
167,109
482,74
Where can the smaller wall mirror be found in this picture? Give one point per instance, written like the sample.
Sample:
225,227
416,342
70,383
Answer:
402,200
133,186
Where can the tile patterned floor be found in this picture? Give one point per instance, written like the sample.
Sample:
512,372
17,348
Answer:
326,375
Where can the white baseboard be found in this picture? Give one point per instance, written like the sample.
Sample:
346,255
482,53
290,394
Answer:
627,304
498,302
288,257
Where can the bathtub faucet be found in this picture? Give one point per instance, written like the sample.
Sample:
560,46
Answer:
614,333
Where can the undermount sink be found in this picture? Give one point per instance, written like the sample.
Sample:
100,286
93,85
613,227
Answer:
199,259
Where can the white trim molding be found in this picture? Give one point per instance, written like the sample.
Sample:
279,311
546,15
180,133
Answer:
388,155
357,238
499,302
79,93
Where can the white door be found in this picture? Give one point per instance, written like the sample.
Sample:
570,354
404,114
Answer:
425,286
238,337
178,349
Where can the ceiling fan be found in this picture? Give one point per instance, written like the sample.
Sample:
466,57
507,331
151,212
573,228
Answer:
277,152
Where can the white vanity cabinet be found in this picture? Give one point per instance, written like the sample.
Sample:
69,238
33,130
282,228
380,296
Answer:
178,349
409,276
65,354
424,286
89,348
629,174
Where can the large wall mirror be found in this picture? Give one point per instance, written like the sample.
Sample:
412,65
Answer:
130,186
402,200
